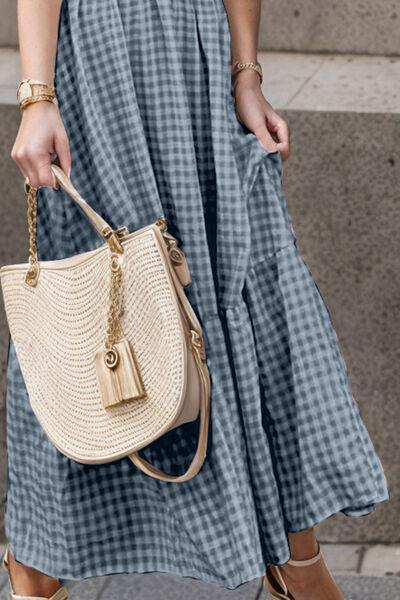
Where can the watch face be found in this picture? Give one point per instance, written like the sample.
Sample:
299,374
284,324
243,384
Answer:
24,91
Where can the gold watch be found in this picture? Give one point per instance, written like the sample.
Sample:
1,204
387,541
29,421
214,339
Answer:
32,90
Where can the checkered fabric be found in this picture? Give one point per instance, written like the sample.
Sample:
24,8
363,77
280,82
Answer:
145,93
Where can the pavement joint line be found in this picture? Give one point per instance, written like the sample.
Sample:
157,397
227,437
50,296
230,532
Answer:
361,554
307,81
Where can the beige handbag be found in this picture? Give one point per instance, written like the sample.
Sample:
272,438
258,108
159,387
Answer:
111,351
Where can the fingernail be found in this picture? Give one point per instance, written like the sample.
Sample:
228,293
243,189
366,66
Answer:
69,172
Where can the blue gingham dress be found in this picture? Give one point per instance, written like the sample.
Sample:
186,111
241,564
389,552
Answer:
144,90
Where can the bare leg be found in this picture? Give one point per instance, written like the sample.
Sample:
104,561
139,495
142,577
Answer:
313,582
27,581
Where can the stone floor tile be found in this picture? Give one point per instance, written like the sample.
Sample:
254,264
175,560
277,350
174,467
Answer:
160,586
382,560
343,558
370,588
352,83
285,74
87,589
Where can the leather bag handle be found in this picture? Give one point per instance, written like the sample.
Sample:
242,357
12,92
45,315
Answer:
95,219
201,449
200,360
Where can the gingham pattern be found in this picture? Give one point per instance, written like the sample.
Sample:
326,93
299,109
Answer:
144,90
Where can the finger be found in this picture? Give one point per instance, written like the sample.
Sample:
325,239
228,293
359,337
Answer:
282,133
20,156
265,139
61,146
32,161
39,171
29,171
44,174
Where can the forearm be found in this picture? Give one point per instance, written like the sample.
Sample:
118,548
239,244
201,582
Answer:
252,108
244,22
38,30
41,134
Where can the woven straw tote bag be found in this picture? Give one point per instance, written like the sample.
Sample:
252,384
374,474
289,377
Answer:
111,351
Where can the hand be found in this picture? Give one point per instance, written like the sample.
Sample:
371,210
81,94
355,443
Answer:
256,113
40,137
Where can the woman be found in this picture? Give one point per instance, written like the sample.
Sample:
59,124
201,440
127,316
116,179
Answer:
148,114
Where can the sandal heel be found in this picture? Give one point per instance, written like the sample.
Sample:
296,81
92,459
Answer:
274,582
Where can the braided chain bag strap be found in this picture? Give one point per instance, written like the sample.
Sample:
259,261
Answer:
111,351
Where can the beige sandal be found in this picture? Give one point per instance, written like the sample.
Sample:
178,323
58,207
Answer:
61,593
273,578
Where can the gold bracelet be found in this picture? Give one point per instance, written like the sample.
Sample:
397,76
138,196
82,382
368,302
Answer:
241,66
41,98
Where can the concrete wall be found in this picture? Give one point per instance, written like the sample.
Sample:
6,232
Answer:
365,26
8,23
343,189
362,26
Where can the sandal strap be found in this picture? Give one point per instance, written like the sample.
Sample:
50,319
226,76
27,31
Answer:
308,561
274,575
61,593
4,560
